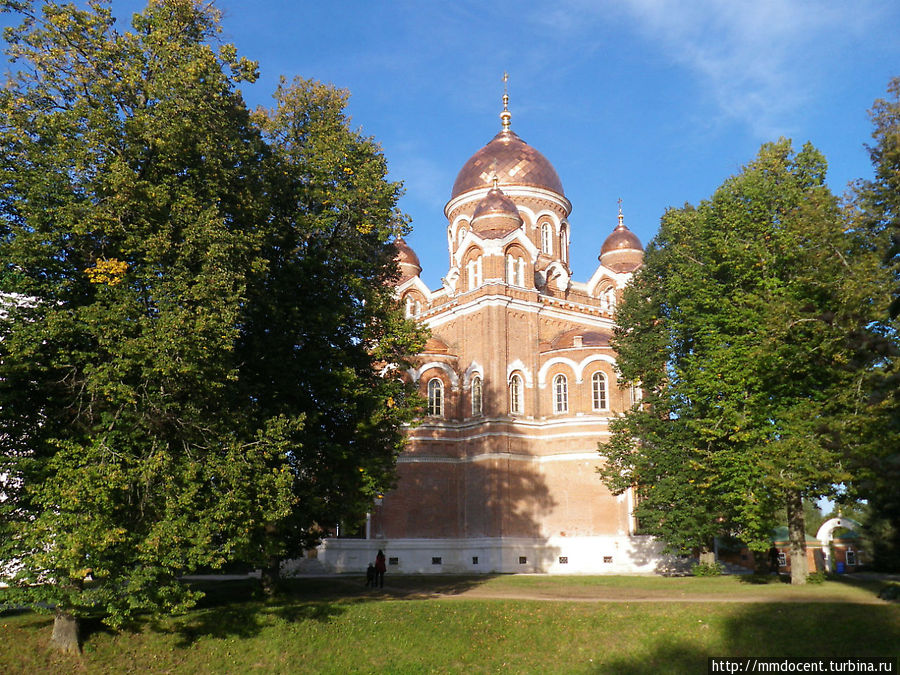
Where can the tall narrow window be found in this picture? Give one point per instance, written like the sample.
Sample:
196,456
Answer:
564,244
520,272
598,391
408,307
560,394
436,397
546,239
476,395
510,269
515,394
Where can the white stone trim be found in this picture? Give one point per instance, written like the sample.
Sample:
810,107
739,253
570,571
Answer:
629,554
474,368
511,191
518,365
416,373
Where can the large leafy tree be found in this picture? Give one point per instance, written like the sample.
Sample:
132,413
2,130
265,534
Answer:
878,209
746,328
341,339
150,231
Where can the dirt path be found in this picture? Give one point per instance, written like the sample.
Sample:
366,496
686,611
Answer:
625,595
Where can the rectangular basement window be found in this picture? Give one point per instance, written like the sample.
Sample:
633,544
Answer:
522,560
474,559
563,560
607,559
393,561
436,561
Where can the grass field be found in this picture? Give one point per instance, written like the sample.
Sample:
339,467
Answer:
518,624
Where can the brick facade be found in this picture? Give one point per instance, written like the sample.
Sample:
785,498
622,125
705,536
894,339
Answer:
510,483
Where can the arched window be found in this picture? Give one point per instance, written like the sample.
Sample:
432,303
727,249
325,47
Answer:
598,391
476,395
520,272
473,267
408,305
564,243
510,269
436,397
560,394
515,394
462,234
546,239
418,308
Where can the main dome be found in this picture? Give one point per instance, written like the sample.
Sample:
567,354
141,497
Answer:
512,161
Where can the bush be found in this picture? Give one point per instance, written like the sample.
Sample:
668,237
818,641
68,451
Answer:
816,578
708,569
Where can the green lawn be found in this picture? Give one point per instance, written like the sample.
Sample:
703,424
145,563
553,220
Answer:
438,624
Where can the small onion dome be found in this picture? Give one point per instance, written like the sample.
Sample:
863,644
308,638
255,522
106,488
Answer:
512,161
495,215
622,250
407,260
589,338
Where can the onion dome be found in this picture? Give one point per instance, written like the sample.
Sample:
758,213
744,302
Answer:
511,160
496,214
622,250
407,260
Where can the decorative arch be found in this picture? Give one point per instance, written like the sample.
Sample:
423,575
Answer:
416,373
593,358
542,373
547,214
826,533
474,368
517,365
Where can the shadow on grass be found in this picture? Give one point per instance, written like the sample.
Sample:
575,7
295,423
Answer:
764,579
796,630
239,609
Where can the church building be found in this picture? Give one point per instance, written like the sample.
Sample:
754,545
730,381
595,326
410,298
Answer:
520,380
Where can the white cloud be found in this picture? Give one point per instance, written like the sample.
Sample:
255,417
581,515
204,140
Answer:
759,62
757,59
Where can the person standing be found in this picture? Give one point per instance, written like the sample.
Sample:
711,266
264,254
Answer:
380,568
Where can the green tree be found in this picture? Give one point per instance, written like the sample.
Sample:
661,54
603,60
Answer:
146,226
878,209
745,329
341,339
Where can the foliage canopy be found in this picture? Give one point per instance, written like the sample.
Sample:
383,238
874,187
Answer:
749,328
195,317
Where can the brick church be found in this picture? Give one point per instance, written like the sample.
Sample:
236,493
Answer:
520,382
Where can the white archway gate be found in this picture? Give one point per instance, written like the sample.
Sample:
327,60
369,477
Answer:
826,533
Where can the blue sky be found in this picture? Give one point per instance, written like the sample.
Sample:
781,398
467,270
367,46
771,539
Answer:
655,102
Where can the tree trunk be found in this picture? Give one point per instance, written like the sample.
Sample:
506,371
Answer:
65,633
270,576
797,535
